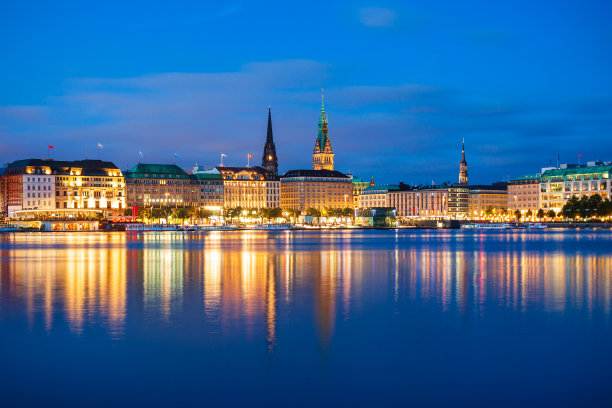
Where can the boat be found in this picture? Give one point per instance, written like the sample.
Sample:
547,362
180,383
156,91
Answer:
536,225
213,228
153,227
8,228
274,227
488,226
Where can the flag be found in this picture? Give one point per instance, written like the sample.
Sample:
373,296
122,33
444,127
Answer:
51,147
100,145
176,155
250,156
140,154
223,155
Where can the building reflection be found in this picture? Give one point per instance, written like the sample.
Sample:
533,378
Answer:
244,284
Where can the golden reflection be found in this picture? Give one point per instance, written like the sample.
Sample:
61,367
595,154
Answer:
246,283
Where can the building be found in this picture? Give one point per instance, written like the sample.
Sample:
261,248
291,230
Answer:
159,185
269,161
482,197
358,186
560,184
3,193
247,187
44,188
376,196
320,189
524,194
463,172
211,188
458,200
424,202
323,154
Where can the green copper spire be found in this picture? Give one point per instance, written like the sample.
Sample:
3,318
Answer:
322,138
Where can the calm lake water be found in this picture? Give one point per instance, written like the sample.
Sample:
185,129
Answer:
345,318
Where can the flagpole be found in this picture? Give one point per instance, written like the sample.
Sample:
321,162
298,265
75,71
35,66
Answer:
248,160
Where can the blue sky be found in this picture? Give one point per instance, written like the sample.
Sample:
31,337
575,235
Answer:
521,81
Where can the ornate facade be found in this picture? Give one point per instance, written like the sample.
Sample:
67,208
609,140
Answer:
323,154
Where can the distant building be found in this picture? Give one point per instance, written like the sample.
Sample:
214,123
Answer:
247,187
376,196
458,200
322,155
426,202
358,186
375,217
482,197
560,184
159,185
463,172
44,187
320,189
211,188
524,193
269,161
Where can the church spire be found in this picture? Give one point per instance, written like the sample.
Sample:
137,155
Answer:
269,161
463,173
323,154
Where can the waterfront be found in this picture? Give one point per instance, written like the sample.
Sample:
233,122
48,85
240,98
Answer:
359,318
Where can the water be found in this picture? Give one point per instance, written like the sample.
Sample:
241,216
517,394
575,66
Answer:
345,318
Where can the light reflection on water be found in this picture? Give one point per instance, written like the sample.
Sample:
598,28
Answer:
270,291
244,277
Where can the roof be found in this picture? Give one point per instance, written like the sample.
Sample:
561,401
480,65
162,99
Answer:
81,164
491,188
315,173
142,170
528,177
384,187
578,171
229,169
207,176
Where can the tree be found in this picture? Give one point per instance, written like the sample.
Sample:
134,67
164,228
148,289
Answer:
276,212
529,213
604,209
489,210
348,212
127,211
313,211
540,213
518,214
144,212
571,208
551,214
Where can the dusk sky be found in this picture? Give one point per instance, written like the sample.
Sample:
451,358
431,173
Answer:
405,82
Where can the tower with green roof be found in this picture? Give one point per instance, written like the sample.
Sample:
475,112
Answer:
322,155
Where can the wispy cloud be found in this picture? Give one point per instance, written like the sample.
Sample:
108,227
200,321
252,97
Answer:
410,132
377,16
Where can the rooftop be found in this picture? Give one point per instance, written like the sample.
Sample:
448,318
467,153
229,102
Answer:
315,173
578,171
160,171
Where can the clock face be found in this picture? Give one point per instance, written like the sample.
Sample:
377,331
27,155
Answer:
270,157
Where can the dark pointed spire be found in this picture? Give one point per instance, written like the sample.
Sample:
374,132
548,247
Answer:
269,137
269,161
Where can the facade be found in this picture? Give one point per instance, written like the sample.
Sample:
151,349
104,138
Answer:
320,189
559,185
158,185
358,186
3,193
211,188
323,154
482,197
524,194
48,186
429,202
245,187
463,173
458,200
376,196
269,161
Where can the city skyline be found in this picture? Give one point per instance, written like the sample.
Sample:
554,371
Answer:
404,85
